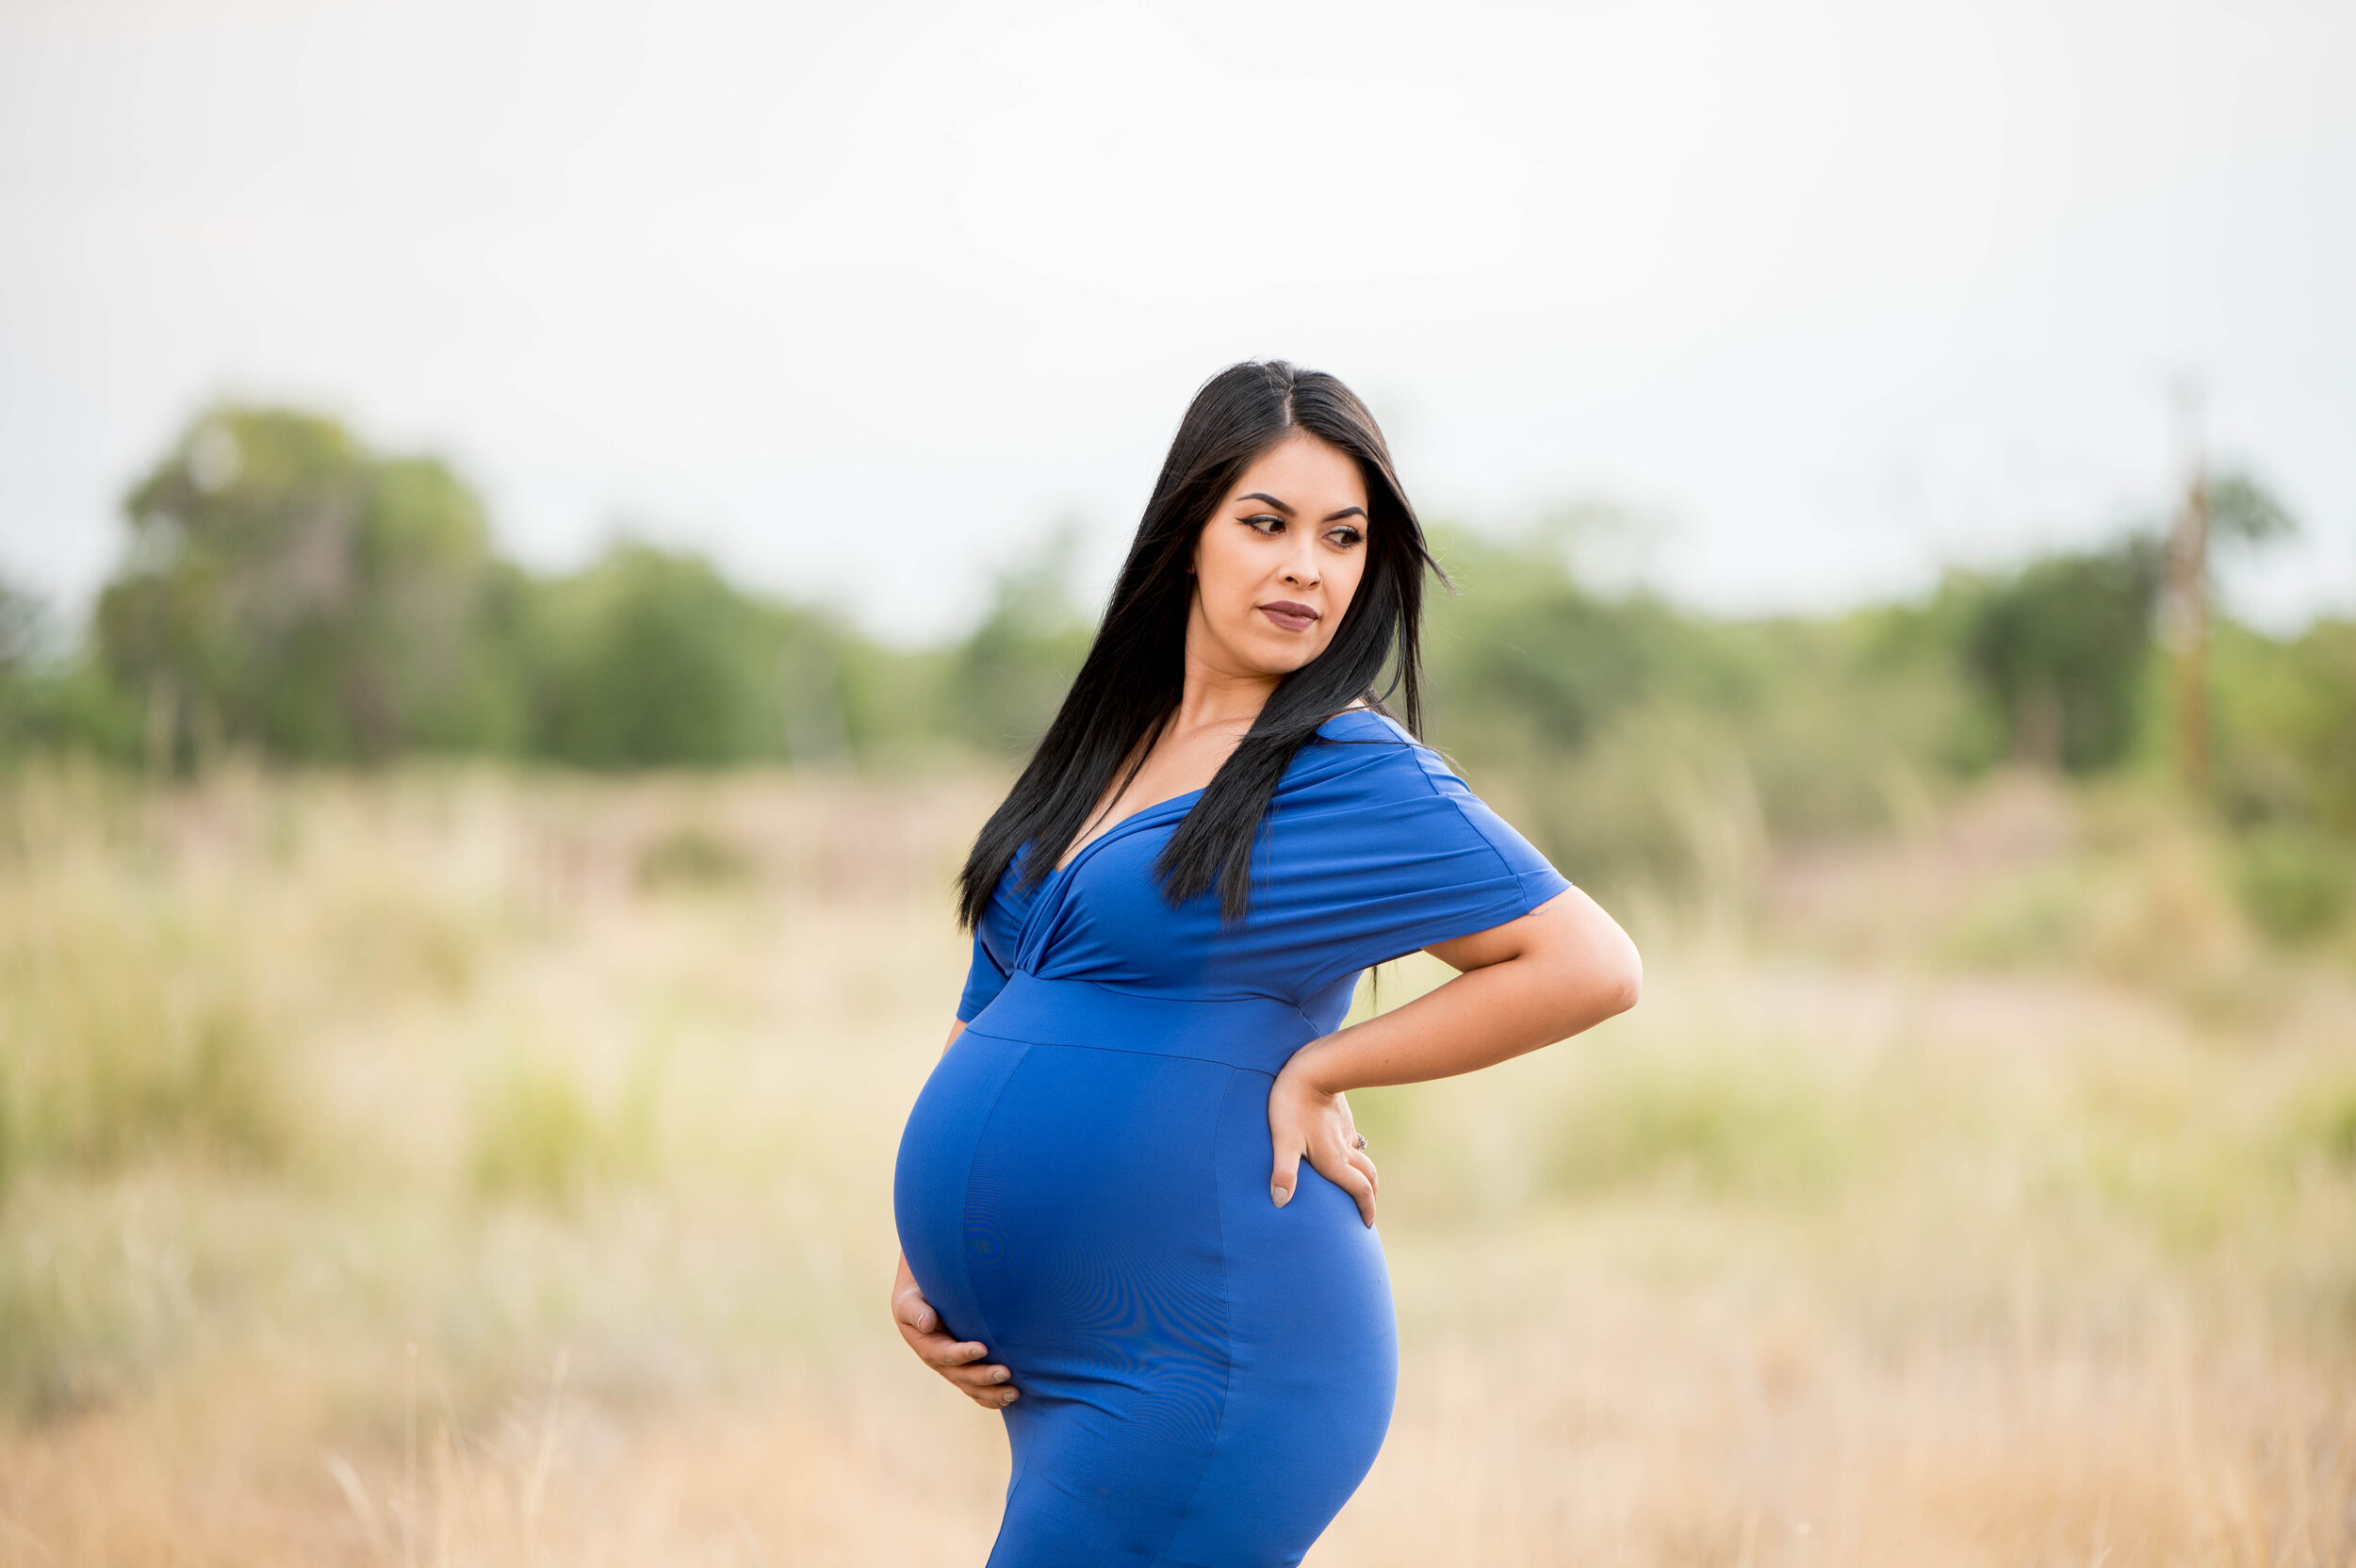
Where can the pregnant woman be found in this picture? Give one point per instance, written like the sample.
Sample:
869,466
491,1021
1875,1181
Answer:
1107,1230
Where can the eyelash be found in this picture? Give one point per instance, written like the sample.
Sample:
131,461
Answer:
1254,524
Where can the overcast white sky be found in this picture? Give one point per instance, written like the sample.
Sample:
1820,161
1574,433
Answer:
862,298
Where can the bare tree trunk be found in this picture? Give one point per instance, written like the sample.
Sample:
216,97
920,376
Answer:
2188,596
2184,624
162,735
2038,728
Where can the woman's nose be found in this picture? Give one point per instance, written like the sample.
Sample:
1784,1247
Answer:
1302,570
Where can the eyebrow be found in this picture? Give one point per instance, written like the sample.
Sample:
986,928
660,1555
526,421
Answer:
1263,496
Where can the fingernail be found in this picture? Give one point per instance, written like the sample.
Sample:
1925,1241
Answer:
1002,1376
1280,1194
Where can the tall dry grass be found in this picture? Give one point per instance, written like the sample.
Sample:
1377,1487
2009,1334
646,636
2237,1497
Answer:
468,1168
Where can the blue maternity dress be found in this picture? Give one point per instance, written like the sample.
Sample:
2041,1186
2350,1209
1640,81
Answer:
1083,1185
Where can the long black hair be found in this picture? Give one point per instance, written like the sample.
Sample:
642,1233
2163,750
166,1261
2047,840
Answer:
1130,684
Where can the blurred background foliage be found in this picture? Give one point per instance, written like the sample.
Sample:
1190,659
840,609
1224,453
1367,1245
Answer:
454,1021
291,593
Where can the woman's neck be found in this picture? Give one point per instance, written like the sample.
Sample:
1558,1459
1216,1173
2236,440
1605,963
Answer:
1216,697
1220,705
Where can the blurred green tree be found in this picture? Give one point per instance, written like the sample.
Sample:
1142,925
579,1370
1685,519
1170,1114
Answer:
2243,511
2286,726
2060,649
1524,661
24,625
289,589
1007,680
24,629
1633,740
651,658
54,698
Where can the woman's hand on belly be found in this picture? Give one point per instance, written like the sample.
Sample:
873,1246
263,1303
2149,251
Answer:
1305,1120
960,1361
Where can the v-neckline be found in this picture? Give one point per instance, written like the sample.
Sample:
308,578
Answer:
1088,846
1117,824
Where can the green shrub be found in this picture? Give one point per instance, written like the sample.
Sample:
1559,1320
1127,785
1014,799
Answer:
2322,1122
1747,1127
692,858
117,1043
69,1325
2293,884
537,1137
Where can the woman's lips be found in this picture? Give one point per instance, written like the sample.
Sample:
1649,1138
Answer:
1291,616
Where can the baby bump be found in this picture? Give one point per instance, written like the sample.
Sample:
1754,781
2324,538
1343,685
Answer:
1100,1218
1060,1205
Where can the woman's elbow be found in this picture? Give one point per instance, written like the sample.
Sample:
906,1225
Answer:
1619,979
1592,968
1630,978
1611,981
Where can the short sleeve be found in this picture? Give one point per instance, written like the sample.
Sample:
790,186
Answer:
984,980
1389,853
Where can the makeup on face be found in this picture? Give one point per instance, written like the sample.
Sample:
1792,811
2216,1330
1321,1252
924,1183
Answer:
1280,557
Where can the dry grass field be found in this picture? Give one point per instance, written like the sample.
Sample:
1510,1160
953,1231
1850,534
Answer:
467,1167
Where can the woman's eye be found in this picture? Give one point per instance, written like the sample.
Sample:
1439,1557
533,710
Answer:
1265,523
1344,537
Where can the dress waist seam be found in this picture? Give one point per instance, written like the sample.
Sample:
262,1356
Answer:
1119,1050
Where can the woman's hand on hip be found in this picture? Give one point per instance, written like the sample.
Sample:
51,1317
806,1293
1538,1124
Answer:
960,1361
1305,1120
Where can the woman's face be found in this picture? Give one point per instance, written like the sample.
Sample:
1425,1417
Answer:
1277,563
